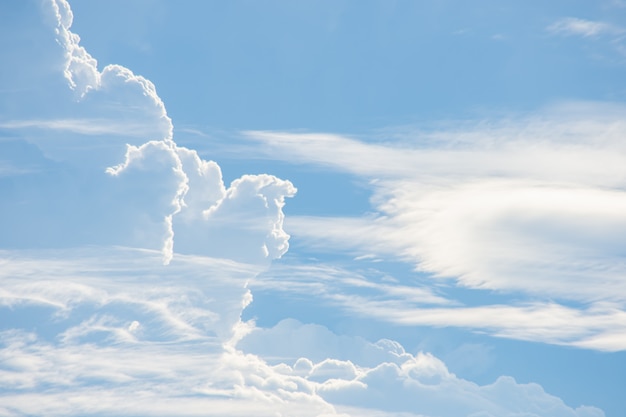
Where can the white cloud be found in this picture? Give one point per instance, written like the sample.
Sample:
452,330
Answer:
600,325
582,27
196,297
157,186
146,380
245,224
80,67
94,358
418,386
540,321
96,127
327,282
108,330
114,100
564,143
382,379
117,333
316,343
533,207
494,234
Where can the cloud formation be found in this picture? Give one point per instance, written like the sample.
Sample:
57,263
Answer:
582,27
117,333
93,327
532,207
149,184
382,376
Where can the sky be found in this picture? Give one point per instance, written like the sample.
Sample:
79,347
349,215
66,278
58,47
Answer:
313,208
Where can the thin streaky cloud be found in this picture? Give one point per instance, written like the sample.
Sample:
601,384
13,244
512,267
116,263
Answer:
572,26
598,326
86,126
563,147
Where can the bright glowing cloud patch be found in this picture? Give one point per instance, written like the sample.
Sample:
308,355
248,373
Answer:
534,208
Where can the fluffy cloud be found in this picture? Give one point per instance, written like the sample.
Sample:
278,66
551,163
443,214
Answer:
315,342
245,224
116,122
423,385
382,376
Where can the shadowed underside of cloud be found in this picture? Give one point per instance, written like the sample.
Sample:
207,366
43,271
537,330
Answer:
101,329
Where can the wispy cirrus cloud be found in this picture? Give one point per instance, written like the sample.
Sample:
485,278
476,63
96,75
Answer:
530,207
572,26
82,126
366,294
563,142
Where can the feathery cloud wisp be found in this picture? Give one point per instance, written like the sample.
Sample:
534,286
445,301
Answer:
533,207
582,27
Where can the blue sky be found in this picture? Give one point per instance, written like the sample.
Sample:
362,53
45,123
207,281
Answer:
329,208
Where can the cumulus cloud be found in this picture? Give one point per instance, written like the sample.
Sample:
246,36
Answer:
314,342
416,385
382,379
115,328
246,223
153,187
